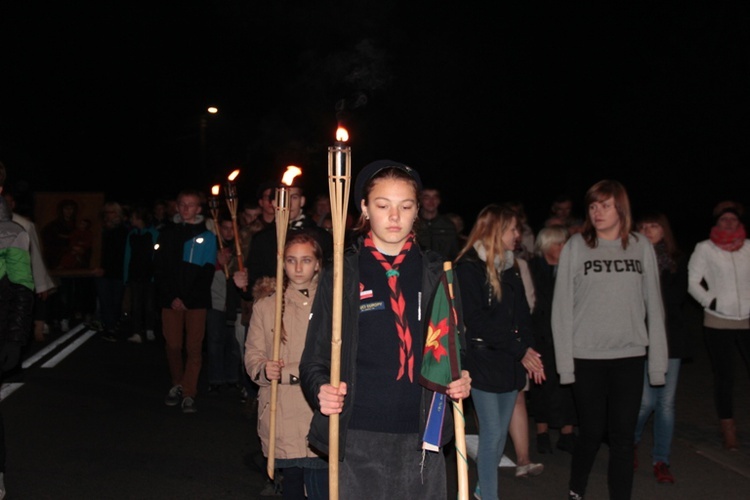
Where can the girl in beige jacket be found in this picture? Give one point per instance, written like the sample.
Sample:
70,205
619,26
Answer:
301,467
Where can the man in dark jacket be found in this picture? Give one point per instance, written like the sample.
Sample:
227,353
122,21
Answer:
184,264
261,261
436,231
110,285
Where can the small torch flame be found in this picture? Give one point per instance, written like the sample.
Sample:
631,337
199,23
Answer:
290,174
342,135
215,190
233,175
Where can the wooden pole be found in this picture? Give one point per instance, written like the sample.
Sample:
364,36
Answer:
339,179
462,462
282,221
231,197
459,428
213,206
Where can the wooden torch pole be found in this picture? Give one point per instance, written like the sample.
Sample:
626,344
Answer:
282,225
339,180
231,196
213,206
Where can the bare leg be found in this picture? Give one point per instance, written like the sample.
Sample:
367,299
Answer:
519,429
519,433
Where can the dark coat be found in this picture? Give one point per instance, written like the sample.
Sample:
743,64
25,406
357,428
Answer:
674,286
499,333
544,289
550,402
439,235
114,240
139,255
315,365
184,265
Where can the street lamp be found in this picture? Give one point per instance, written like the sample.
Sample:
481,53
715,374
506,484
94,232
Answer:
211,110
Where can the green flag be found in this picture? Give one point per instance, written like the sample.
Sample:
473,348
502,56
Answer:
440,363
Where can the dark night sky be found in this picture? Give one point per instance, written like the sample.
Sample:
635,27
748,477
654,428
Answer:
489,103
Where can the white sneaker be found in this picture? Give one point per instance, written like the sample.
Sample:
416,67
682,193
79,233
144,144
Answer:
529,470
150,335
135,338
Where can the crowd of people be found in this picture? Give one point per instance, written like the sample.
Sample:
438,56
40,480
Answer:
577,327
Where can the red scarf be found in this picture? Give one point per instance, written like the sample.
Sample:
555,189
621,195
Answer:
731,241
398,303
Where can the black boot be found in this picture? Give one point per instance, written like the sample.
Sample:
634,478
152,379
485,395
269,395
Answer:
567,442
543,443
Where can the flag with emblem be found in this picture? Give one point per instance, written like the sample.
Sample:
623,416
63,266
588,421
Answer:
440,361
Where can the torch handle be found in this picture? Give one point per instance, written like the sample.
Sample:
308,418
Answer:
282,221
339,175
215,216
238,245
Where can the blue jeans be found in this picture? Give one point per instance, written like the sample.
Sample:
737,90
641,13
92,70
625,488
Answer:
493,411
660,401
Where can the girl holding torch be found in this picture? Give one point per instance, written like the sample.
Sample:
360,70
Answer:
301,467
388,283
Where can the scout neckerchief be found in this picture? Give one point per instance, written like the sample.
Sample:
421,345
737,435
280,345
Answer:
398,303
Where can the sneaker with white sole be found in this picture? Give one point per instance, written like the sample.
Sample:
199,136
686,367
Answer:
477,493
150,335
188,405
174,396
135,338
529,470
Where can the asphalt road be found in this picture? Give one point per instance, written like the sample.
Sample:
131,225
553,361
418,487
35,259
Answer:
93,425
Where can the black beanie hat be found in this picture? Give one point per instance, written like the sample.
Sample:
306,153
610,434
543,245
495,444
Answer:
371,169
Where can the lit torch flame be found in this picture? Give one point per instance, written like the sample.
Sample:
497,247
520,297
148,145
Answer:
342,135
290,174
233,175
215,190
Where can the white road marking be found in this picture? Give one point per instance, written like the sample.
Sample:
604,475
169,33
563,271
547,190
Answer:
9,388
51,347
52,362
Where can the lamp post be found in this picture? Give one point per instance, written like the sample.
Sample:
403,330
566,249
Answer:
211,110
